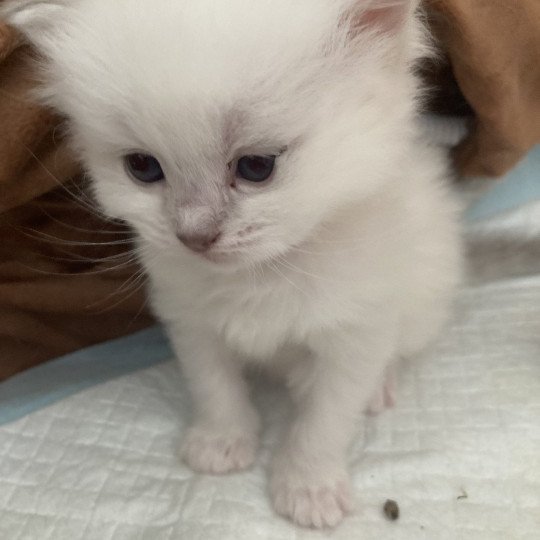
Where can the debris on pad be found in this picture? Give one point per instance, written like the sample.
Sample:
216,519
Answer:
391,510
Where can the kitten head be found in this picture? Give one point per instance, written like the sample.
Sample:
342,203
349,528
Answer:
232,129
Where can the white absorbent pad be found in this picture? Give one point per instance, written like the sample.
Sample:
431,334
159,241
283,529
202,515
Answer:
460,453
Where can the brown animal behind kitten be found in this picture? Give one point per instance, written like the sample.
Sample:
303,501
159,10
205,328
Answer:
52,299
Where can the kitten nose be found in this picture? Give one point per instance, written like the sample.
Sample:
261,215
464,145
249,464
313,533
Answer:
199,242
197,228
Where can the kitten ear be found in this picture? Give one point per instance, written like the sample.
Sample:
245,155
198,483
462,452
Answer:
387,16
35,19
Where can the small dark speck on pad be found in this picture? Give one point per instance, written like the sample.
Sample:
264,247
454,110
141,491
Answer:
391,510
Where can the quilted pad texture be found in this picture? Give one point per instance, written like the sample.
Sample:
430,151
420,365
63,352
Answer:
460,453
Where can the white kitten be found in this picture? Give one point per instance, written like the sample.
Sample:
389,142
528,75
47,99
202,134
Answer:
267,154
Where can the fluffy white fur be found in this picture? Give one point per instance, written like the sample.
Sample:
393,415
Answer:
346,260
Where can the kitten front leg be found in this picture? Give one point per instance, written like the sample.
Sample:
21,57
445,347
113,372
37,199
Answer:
309,479
223,436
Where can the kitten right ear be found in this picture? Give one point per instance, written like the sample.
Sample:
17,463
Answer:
387,16
35,19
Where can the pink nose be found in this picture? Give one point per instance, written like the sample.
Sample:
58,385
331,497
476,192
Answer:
198,242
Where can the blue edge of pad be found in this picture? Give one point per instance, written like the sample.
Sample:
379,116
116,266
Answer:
58,379
53,381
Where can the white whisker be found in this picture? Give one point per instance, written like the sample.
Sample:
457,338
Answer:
276,270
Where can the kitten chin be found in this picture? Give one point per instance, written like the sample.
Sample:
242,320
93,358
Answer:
292,126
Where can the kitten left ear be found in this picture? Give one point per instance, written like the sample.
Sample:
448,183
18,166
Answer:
387,16
33,18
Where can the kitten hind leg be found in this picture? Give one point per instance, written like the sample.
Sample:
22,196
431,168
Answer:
223,436
385,395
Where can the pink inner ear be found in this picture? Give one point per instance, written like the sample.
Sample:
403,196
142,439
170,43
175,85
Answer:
388,19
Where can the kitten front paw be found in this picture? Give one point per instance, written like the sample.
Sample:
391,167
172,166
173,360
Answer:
218,451
308,500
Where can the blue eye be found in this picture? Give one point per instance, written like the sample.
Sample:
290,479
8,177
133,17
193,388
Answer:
255,168
144,167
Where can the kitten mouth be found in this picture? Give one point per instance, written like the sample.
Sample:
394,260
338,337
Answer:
232,254
217,256
235,249
220,256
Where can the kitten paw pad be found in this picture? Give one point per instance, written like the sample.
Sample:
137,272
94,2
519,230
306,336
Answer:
312,506
213,452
